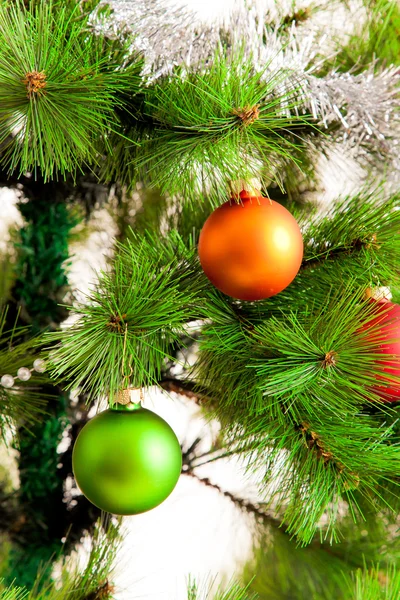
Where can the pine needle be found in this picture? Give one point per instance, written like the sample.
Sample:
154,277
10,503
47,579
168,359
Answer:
232,591
376,43
91,582
376,584
13,593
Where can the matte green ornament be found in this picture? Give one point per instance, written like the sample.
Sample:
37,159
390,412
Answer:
127,460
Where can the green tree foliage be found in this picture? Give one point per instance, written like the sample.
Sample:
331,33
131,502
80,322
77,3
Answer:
133,317
294,382
59,87
234,591
376,42
218,122
91,582
291,378
322,572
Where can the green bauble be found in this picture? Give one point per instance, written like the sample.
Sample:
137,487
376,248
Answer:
127,460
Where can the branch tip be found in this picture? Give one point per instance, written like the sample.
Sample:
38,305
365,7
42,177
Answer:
330,359
115,323
35,83
314,442
103,592
248,114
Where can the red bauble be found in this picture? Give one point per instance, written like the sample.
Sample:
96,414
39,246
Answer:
251,250
388,339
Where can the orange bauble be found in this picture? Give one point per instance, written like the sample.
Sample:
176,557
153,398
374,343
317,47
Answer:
251,250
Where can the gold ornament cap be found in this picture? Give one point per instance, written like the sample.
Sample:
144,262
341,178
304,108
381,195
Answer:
378,293
245,185
123,397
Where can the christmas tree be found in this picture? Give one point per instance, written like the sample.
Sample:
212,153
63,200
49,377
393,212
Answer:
202,215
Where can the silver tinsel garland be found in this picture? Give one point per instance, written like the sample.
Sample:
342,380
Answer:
361,111
366,105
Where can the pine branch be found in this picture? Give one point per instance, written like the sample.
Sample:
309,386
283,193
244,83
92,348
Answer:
286,403
59,87
218,123
302,381
296,383
92,582
232,591
358,110
318,571
103,592
184,388
133,317
245,505
13,593
375,43
376,584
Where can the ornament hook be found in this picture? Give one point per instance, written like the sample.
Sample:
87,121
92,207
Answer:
124,394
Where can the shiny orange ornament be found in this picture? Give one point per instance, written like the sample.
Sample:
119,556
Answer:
251,250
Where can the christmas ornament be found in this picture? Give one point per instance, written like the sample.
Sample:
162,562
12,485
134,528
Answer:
127,460
252,250
388,337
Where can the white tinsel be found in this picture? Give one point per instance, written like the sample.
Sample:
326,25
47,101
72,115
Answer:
370,102
364,106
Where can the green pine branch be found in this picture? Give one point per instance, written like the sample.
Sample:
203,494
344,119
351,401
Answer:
280,571
282,576
90,583
292,394
59,87
283,382
377,584
233,591
376,43
126,331
296,382
13,593
198,129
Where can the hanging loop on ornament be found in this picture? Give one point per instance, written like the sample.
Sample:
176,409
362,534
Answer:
124,395
125,376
